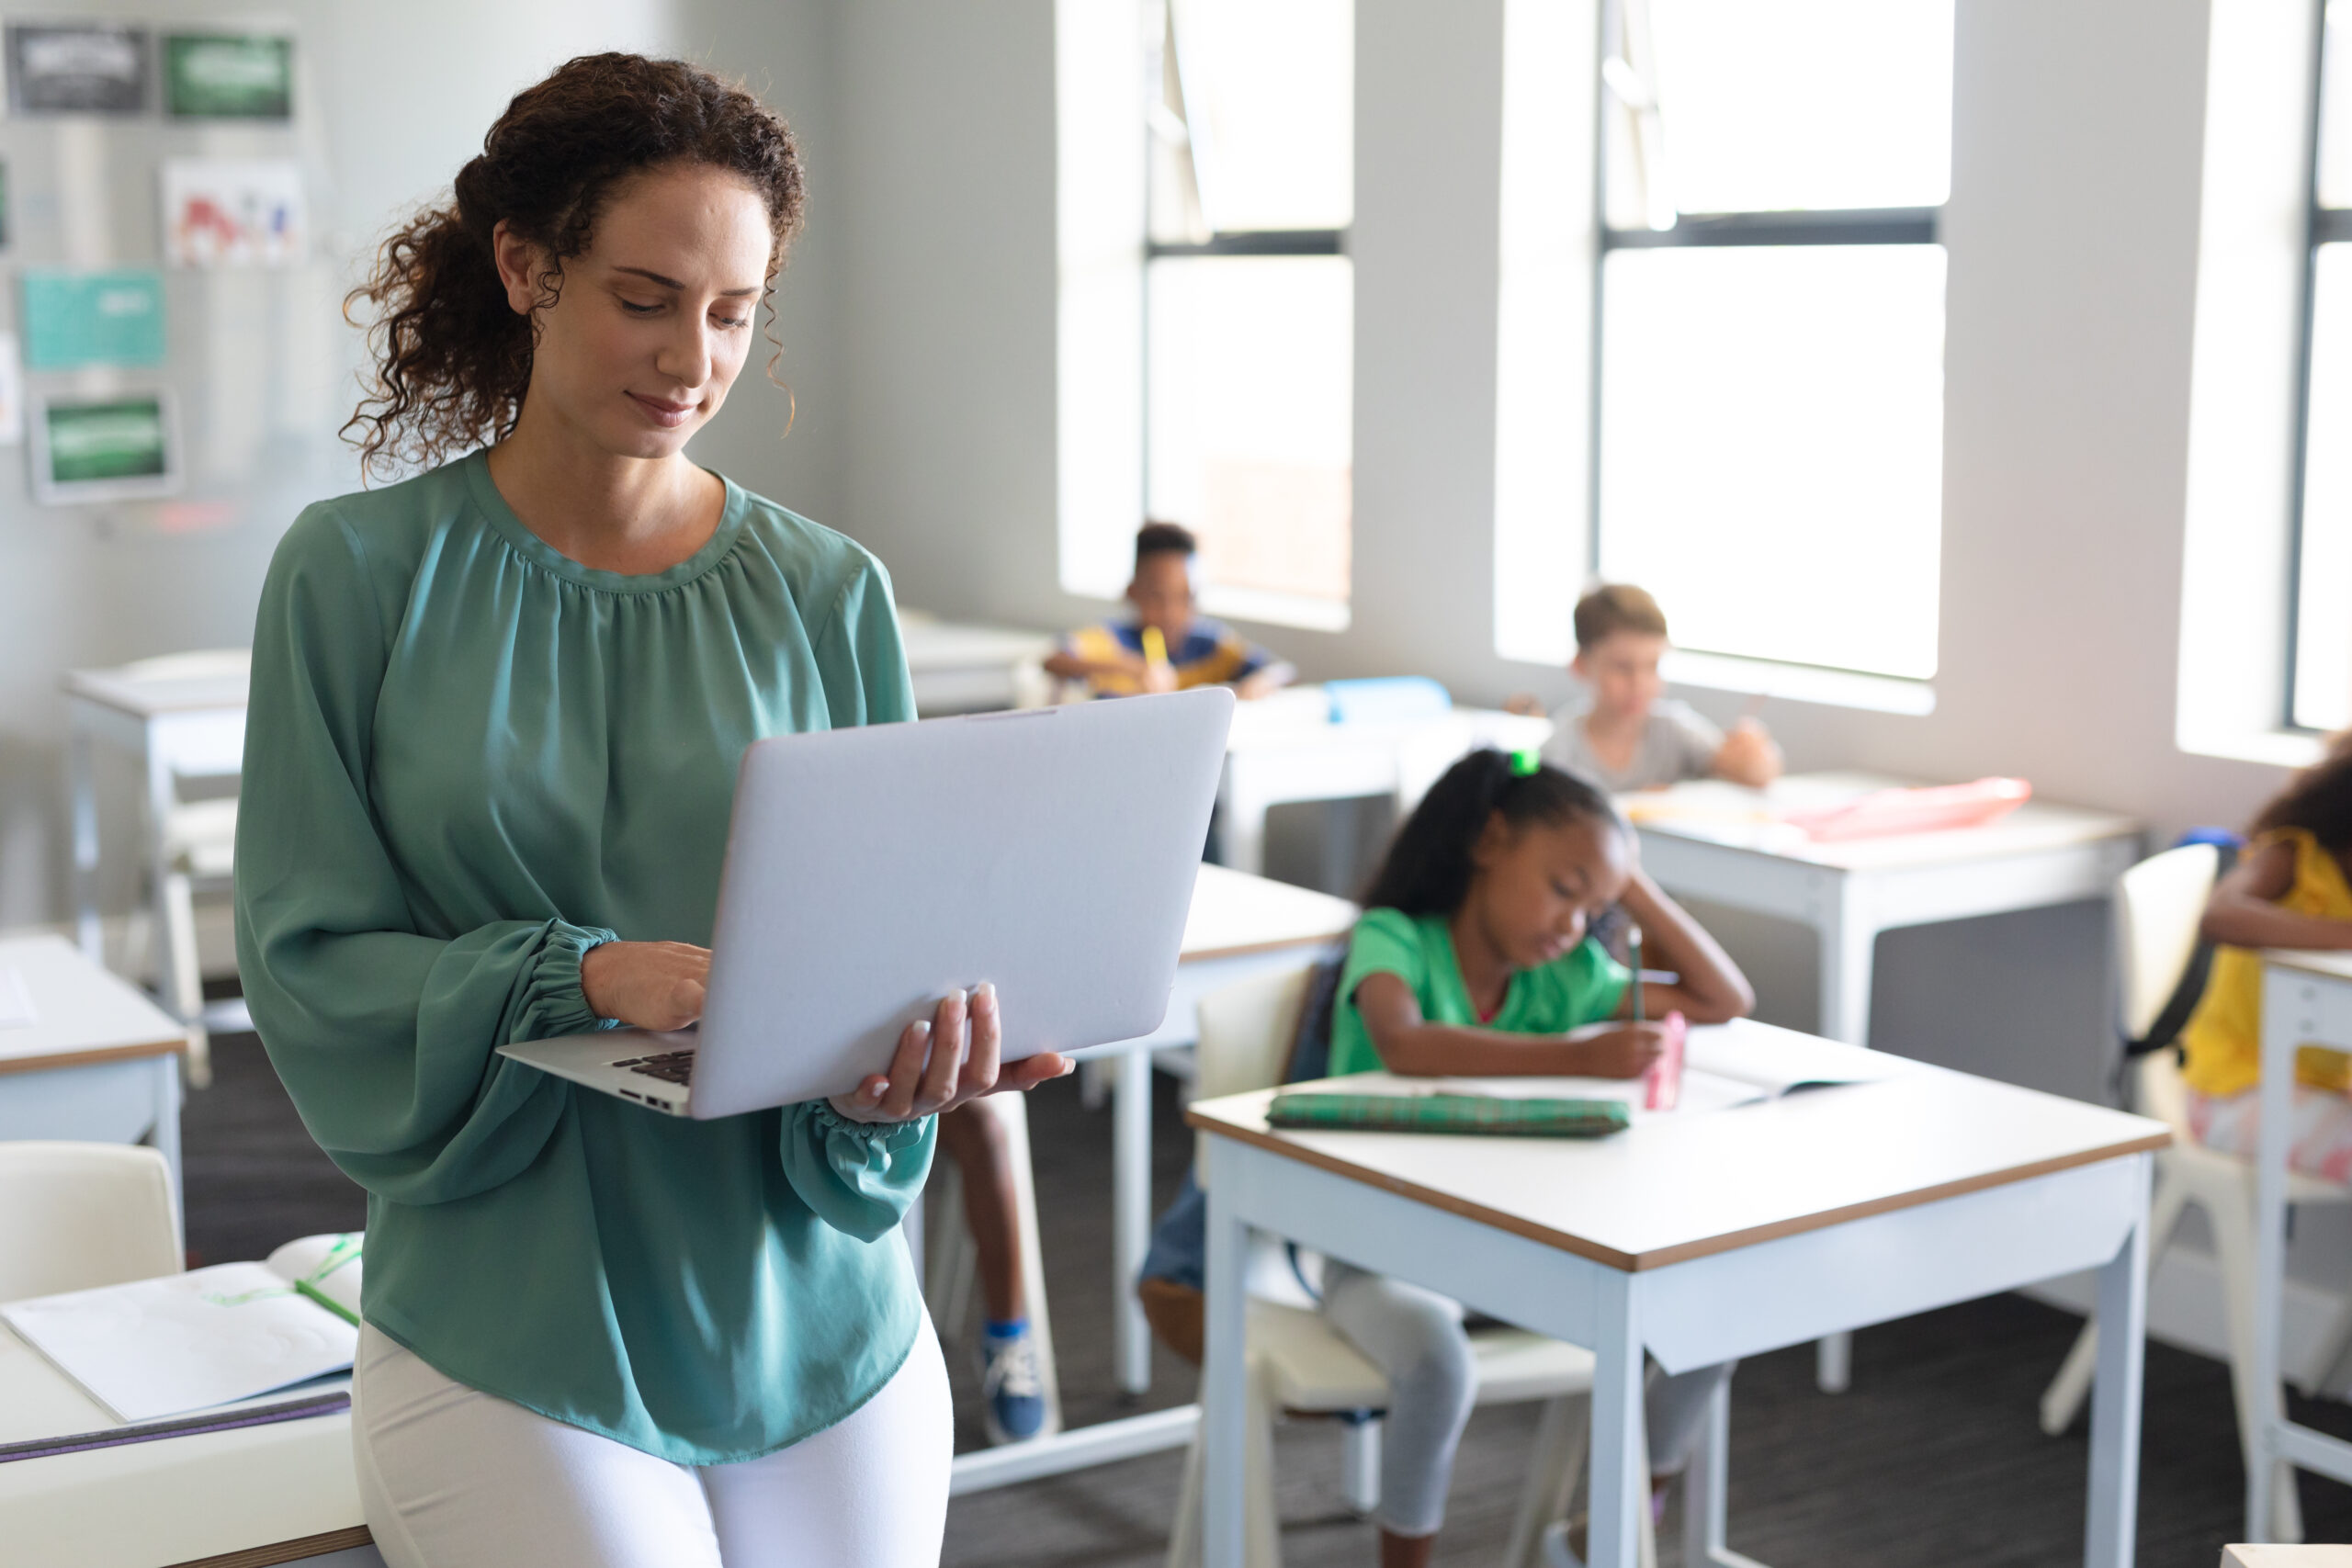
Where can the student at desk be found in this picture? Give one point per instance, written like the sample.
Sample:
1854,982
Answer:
1472,959
1166,646
1623,733
2289,889
497,713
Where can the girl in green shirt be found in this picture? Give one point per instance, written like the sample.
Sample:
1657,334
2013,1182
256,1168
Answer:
1473,958
496,715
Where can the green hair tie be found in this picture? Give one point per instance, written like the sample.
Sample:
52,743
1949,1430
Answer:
1524,763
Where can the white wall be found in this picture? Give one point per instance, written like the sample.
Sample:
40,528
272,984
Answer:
391,100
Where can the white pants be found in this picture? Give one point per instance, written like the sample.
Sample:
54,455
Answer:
450,1477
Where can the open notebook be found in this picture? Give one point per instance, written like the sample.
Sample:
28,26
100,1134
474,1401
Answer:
1723,1064
190,1341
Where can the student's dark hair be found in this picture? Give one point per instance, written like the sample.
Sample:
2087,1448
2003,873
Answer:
2318,799
1426,870
1616,608
1164,540
452,358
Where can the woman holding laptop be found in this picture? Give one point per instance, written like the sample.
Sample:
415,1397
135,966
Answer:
495,719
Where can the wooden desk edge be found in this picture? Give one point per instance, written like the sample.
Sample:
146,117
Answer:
174,1046
1272,944
1661,1258
293,1551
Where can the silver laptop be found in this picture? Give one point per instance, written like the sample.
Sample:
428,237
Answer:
1051,851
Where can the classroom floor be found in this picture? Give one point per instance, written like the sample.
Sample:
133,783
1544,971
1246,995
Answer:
1932,1459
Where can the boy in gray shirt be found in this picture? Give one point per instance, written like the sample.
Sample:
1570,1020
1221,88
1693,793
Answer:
1623,733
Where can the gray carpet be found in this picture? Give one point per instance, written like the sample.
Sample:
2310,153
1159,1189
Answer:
1933,1459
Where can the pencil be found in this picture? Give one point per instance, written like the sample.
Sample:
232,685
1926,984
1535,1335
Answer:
1633,953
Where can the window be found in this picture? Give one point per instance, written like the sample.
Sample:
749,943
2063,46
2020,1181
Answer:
1770,389
2319,659
1249,299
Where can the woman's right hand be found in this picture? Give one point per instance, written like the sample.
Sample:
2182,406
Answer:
646,985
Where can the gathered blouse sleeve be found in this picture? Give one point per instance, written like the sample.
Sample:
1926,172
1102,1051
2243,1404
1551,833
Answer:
384,1035
860,1177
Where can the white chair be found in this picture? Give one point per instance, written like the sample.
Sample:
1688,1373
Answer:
1299,1365
75,1217
951,1262
2158,904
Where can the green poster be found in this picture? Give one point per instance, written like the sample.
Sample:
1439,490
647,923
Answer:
228,76
72,319
122,439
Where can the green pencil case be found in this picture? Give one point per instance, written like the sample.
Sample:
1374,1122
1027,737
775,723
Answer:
1473,1114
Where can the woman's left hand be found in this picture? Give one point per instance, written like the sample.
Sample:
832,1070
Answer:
943,1061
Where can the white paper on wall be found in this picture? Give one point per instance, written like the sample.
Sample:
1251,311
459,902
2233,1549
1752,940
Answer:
234,212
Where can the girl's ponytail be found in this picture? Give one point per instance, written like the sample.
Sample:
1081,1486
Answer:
1427,867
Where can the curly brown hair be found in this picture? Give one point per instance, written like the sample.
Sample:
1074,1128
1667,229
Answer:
452,359
2318,799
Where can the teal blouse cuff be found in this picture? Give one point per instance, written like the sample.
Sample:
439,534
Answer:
893,1136
553,1001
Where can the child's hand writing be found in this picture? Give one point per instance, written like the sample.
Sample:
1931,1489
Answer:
1620,1051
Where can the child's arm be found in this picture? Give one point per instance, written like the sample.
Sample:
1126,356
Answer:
1265,680
2244,908
1709,988
1748,756
1409,1044
1065,665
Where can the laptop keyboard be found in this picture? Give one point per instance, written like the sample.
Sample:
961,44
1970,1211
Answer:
670,1067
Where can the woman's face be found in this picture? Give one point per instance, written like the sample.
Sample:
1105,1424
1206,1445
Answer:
655,318
1535,889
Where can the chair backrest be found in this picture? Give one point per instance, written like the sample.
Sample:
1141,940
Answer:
1246,1030
78,1215
2158,904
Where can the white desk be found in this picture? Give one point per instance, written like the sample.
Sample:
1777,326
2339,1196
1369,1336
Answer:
1704,1237
2306,997
1285,747
99,1061
278,1494
1719,842
966,669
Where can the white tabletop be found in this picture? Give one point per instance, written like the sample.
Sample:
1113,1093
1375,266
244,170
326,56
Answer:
1233,912
1711,811
184,683
948,644
81,1014
1680,1187
2327,966
1301,716
174,1500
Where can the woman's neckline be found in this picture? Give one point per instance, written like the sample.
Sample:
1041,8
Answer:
518,534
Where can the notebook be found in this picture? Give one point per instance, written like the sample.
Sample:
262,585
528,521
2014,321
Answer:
183,1342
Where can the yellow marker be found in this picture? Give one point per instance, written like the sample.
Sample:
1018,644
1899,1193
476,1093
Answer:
1154,647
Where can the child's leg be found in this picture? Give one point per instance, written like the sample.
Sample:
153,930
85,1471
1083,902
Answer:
1676,1412
1012,1376
975,1142
2321,1130
1415,1337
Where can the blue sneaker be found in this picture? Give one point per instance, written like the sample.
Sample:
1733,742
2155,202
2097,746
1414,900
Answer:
1013,1383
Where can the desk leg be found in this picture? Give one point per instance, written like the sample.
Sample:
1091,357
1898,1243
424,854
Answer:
1849,943
2281,1014
2114,1512
166,1133
1131,1215
1242,820
1224,1389
82,794
1619,1493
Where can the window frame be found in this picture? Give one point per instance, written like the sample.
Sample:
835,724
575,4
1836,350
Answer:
2321,226
1822,227
1263,604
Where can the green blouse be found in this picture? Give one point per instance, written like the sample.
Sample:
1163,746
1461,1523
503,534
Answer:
468,760
1582,985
